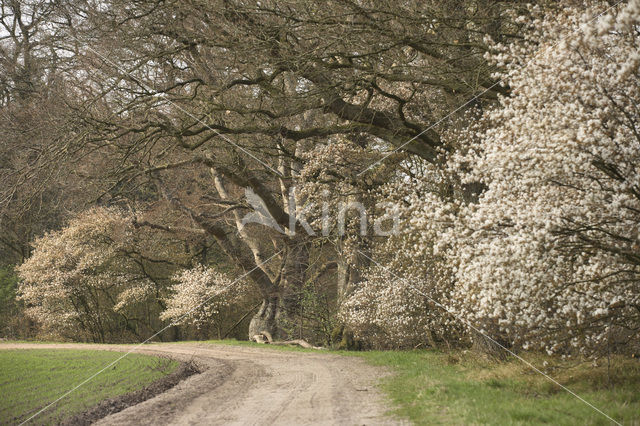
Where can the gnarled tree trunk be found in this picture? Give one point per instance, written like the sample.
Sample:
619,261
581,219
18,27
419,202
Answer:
267,320
280,308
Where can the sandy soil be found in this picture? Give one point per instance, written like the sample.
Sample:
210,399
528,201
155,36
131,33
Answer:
253,386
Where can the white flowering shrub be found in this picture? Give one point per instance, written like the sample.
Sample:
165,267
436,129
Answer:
381,311
387,311
397,303
550,256
79,283
199,296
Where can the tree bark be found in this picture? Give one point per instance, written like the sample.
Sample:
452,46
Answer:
268,319
279,309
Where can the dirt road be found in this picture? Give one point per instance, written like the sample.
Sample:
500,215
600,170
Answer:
254,386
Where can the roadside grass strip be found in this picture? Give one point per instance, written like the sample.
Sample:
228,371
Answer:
32,378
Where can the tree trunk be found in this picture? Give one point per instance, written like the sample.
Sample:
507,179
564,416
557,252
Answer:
348,275
278,313
269,320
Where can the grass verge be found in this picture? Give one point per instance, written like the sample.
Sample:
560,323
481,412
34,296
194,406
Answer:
431,387
32,378
466,388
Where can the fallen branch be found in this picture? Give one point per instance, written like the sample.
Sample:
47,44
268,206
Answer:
297,342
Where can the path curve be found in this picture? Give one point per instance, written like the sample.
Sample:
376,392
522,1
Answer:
253,386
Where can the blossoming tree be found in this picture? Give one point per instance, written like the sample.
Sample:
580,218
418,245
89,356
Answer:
550,255
93,280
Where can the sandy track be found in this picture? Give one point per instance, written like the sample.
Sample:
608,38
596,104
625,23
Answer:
254,386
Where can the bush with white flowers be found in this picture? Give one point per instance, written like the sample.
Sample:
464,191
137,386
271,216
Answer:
399,302
199,295
79,283
550,256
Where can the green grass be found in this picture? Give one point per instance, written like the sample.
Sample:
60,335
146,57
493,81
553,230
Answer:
466,388
431,387
31,379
